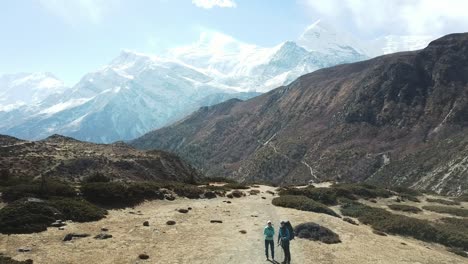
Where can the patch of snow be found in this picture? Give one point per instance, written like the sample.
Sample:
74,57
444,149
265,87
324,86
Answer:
64,105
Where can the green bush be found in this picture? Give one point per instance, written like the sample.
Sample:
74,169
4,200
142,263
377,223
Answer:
207,180
405,208
384,221
337,192
447,210
303,203
27,216
120,194
50,189
97,177
462,198
328,196
316,232
78,210
8,260
406,191
443,201
31,215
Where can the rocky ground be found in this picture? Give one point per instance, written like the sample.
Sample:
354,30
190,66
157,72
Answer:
194,239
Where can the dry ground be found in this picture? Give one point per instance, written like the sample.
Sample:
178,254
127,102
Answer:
195,240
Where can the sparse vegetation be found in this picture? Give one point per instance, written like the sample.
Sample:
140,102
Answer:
119,193
303,203
384,221
50,189
332,195
447,210
443,201
31,215
97,177
462,198
405,208
236,186
78,210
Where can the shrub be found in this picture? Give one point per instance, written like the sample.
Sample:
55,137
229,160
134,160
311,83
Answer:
51,189
78,210
303,203
119,193
328,196
406,191
27,216
410,198
384,221
313,231
447,210
443,201
462,198
8,260
405,208
337,192
234,186
207,180
97,177
459,252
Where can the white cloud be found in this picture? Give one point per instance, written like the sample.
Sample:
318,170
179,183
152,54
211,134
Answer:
212,3
396,17
76,11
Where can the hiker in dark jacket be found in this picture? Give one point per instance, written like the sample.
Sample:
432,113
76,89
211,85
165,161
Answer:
283,239
269,233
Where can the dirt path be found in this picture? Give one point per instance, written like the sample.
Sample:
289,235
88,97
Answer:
195,240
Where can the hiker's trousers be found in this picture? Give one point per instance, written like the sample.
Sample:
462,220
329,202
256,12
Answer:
272,247
287,253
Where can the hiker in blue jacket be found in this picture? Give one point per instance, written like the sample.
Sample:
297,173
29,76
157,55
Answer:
283,240
269,233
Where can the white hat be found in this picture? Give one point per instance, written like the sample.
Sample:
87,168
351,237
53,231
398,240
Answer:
269,222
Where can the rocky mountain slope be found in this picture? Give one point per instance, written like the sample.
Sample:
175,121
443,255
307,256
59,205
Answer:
137,92
398,119
64,157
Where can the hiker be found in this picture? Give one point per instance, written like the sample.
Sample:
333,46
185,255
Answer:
283,239
269,233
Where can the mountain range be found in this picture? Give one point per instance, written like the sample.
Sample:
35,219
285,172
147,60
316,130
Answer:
137,92
395,120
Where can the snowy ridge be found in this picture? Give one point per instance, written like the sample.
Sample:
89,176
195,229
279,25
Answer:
138,92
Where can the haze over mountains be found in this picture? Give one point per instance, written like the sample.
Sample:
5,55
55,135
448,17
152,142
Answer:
136,93
398,119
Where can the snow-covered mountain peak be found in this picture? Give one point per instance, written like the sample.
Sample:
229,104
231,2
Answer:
324,38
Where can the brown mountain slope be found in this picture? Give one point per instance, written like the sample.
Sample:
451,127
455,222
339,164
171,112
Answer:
396,119
59,156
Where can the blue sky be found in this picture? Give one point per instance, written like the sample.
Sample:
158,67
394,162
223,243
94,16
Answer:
72,37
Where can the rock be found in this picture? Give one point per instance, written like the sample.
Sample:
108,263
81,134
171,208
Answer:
228,202
24,249
103,236
190,208
380,233
243,232
70,236
145,223
263,197
403,243
61,228
170,222
183,211
373,201
169,197
103,229
216,221
58,223
143,256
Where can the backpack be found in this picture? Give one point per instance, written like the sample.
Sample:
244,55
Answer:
290,229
